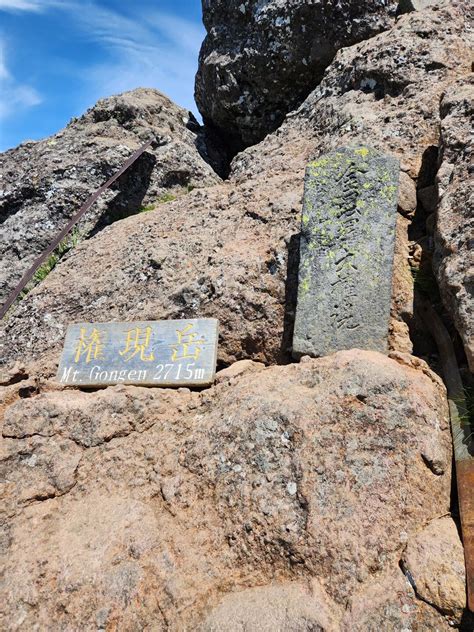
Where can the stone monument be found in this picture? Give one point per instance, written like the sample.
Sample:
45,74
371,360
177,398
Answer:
346,252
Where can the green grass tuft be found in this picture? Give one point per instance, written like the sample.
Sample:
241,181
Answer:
146,209
42,272
167,197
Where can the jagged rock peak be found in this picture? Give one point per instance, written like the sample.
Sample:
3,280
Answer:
45,182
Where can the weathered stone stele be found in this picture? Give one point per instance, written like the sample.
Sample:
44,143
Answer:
346,252
162,353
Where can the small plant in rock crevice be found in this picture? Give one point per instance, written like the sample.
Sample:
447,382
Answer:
425,283
43,271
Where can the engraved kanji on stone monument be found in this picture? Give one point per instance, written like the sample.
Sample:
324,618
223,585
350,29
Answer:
346,252
161,353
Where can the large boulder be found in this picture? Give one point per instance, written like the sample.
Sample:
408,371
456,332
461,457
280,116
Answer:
454,235
384,91
134,508
231,251
261,59
45,182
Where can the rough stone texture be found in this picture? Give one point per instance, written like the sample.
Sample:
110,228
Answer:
230,251
133,509
44,183
388,604
293,607
219,252
402,290
407,195
346,252
237,369
454,234
261,59
385,90
435,561
301,486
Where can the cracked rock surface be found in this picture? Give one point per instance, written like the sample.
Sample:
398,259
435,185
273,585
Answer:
435,561
135,508
454,259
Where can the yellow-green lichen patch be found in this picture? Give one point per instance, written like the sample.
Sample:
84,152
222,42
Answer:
389,192
322,162
363,151
304,287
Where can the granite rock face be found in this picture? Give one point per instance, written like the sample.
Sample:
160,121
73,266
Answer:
454,233
44,183
435,561
261,59
346,252
231,251
385,90
135,508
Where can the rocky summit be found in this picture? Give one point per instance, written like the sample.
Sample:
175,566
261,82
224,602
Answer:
45,182
290,495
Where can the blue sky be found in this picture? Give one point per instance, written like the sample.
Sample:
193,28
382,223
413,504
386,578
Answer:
58,57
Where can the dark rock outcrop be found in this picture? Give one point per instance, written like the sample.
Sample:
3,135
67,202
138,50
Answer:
44,183
261,59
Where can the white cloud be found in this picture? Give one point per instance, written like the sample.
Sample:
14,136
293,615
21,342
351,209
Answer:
31,5
19,5
140,49
184,34
149,50
4,74
14,95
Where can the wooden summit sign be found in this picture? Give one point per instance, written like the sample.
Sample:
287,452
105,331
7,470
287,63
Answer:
162,353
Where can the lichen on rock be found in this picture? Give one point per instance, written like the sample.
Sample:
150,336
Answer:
260,60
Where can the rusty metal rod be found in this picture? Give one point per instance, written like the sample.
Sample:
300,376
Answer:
72,222
463,438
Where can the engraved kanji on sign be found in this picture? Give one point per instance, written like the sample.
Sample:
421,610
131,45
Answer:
89,344
346,252
137,342
147,353
188,346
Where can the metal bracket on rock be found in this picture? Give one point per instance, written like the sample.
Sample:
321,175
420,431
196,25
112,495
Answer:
69,226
